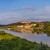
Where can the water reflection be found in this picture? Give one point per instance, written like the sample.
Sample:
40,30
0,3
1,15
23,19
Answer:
47,33
33,37
38,37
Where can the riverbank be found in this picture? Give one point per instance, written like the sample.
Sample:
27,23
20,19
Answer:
10,42
29,27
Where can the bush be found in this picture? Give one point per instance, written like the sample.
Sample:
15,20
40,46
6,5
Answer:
2,33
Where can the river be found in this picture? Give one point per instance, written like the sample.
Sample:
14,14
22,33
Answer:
42,37
32,37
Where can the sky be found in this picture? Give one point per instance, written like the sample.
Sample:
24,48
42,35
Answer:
24,10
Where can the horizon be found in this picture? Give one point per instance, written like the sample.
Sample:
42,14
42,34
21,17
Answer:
12,11
24,21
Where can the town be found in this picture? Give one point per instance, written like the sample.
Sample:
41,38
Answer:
27,27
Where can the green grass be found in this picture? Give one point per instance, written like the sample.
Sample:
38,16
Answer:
5,36
10,42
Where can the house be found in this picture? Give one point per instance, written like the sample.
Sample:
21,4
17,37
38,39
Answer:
40,24
26,25
33,24
20,26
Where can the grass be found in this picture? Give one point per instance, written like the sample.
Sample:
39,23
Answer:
10,42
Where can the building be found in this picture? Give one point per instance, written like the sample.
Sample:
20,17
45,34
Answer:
40,24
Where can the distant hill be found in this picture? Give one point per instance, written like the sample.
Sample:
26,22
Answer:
20,23
2,25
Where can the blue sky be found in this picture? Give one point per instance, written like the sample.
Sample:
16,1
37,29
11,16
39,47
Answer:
10,5
24,10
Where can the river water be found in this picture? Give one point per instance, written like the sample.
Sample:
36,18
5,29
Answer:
32,37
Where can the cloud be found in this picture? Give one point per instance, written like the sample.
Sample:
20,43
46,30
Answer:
26,14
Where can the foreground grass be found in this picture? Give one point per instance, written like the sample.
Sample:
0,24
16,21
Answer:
10,42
